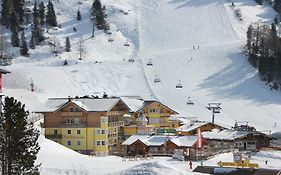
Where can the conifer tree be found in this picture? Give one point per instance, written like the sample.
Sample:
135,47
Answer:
78,15
98,15
67,45
41,14
23,45
32,41
19,140
14,28
36,29
6,12
51,18
18,7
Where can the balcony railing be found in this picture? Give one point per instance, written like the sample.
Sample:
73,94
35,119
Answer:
53,136
71,114
73,125
116,124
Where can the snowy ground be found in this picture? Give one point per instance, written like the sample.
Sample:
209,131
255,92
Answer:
164,31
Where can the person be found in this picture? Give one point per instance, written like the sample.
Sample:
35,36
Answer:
74,29
201,163
190,164
266,161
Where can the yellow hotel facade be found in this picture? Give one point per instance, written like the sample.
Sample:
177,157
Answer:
98,126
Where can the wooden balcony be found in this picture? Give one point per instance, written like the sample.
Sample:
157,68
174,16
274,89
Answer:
115,113
71,114
73,125
116,124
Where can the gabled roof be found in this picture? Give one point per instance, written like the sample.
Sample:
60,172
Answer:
147,103
186,141
137,105
194,125
230,135
158,140
88,104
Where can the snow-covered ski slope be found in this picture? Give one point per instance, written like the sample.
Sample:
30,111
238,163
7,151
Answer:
164,31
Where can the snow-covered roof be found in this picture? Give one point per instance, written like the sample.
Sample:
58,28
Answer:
224,134
88,104
133,103
186,141
134,138
191,126
158,140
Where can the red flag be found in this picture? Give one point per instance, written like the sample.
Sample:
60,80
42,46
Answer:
199,138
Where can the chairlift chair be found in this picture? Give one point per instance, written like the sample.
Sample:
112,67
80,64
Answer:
189,101
149,63
131,59
179,86
126,44
156,79
110,40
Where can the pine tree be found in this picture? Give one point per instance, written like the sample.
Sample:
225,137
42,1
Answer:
78,15
18,7
23,46
14,28
41,14
38,36
51,18
67,45
19,140
98,15
32,41
6,12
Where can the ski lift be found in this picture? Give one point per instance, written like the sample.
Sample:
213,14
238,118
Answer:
179,86
126,44
156,79
131,60
149,63
110,40
189,102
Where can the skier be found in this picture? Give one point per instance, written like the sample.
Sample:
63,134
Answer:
198,47
190,164
266,161
74,29
193,47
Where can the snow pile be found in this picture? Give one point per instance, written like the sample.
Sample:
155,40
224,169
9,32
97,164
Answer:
151,168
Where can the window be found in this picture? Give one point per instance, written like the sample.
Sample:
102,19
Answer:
97,131
70,120
154,120
55,132
68,131
78,143
103,142
68,143
98,143
76,120
76,110
103,131
78,131
71,109
115,140
115,129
